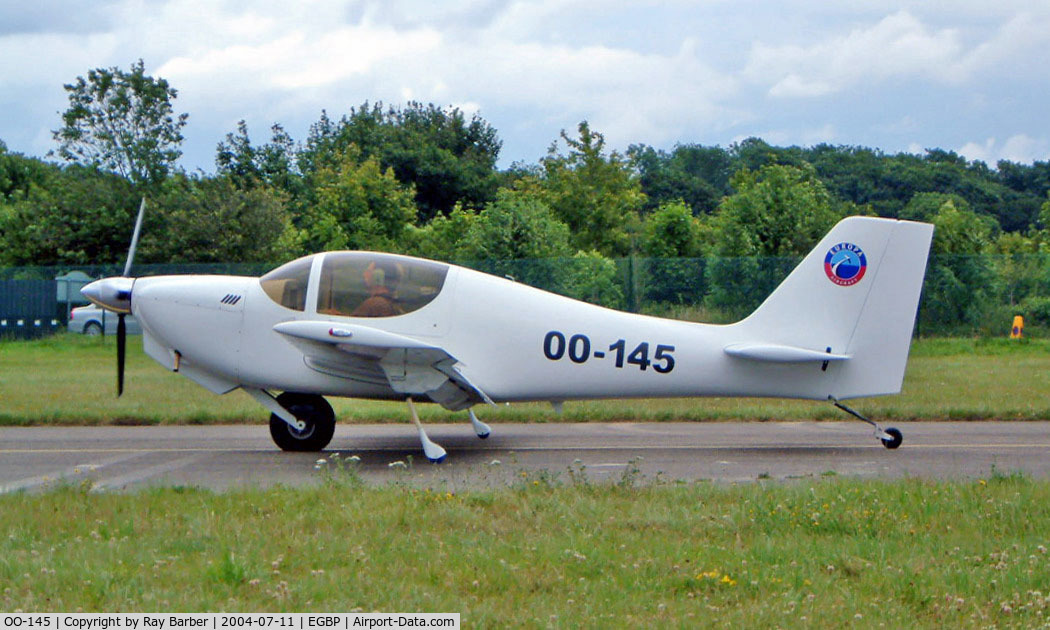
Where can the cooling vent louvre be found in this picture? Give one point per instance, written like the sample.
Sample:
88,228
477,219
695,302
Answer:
231,299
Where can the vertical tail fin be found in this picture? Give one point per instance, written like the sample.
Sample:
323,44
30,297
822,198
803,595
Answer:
854,298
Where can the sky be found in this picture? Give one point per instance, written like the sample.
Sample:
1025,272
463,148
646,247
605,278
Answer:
969,76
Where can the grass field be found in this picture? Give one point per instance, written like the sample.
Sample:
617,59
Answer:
70,379
555,549
546,553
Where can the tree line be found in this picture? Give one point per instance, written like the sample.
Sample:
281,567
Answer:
424,180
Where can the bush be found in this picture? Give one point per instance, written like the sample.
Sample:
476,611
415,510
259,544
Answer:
1036,310
593,278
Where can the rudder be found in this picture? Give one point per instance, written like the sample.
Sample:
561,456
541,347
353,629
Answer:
881,341
853,298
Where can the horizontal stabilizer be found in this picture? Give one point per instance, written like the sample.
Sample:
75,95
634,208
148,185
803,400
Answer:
776,353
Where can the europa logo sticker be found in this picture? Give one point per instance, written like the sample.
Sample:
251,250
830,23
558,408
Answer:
845,264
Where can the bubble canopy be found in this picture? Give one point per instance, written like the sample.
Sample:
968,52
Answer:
358,284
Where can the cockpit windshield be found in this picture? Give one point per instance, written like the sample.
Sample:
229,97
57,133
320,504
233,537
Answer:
366,284
286,285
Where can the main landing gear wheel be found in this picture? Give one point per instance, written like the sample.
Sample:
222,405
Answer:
894,440
311,409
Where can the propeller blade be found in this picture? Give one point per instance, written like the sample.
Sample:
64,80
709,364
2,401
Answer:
134,239
121,345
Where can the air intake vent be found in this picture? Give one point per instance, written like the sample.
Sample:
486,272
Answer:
231,299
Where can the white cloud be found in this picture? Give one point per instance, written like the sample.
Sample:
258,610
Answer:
300,60
656,72
34,60
1012,48
795,86
899,45
979,151
285,62
1018,148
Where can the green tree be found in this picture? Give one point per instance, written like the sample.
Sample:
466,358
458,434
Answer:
6,163
211,220
1021,271
696,175
445,157
1022,266
754,154
1041,228
961,231
122,122
357,204
777,211
597,195
272,164
959,286
862,176
517,235
440,238
19,173
674,269
672,232
593,278
76,215
517,225
925,206
889,182
776,216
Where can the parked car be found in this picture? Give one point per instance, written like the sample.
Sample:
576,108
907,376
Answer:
90,320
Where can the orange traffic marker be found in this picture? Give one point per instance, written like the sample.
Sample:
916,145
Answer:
1018,330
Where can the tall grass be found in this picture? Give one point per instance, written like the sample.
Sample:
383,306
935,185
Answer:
553,550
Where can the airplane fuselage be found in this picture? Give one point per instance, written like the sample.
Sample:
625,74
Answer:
515,342
374,325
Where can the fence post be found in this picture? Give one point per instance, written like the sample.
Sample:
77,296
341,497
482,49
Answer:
632,295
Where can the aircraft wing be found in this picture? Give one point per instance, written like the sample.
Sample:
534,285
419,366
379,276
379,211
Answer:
363,353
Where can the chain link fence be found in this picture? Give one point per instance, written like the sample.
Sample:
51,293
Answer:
962,295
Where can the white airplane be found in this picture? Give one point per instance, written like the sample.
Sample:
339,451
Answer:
384,326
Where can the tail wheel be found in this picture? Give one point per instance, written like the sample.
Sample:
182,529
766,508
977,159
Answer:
311,409
895,438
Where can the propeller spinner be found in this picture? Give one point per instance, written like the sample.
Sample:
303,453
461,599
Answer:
114,294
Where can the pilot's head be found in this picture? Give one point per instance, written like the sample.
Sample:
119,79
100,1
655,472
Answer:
382,275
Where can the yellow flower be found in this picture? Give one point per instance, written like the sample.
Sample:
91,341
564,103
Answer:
716,576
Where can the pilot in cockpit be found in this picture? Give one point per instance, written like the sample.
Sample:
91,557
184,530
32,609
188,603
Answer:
382,281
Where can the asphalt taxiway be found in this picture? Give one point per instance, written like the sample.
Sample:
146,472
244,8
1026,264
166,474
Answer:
220,457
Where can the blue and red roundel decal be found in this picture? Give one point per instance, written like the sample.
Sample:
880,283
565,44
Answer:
845,264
